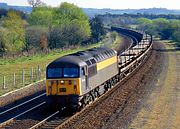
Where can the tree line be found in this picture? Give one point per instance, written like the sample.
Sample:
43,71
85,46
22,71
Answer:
47,28
161,27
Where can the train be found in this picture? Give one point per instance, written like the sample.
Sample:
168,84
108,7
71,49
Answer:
77,79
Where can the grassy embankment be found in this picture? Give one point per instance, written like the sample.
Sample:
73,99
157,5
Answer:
10,66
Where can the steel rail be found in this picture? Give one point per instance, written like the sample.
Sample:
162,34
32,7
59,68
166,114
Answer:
44,121
1,113
12,119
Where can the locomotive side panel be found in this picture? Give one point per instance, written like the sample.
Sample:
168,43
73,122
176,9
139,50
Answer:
105,70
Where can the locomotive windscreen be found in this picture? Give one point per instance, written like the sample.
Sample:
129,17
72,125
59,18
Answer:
54,73
70,72
62,73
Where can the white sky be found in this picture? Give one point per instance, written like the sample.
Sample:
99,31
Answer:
114,4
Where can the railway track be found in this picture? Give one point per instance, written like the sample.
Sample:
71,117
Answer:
9,115
43,122
13,119
22,104
128,65
52,121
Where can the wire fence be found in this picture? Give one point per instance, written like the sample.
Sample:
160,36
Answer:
22,78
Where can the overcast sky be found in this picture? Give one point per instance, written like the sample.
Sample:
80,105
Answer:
114,4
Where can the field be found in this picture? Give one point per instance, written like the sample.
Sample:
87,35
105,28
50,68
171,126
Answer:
25,70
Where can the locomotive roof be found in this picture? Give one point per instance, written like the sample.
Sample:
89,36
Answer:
81,58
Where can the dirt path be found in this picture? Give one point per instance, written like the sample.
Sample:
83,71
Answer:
162,107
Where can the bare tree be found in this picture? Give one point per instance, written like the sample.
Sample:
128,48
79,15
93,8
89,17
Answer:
36,3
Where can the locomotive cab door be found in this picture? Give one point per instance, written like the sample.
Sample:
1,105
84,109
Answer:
84,77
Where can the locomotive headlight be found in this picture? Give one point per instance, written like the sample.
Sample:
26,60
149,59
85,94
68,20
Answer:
62,82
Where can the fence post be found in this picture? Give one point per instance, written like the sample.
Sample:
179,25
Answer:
39,73
14,79
23,77
4,82
31,76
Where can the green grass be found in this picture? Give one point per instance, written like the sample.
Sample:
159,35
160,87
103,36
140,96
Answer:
10,66
15,65
117,42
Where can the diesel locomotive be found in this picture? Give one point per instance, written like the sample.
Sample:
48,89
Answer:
77,79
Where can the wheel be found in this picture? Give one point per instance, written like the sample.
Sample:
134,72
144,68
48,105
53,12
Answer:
105,88
97,93
110,84
92,95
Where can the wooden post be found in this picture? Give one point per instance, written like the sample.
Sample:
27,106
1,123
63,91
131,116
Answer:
14,79
4,82
23,77
31,76
39,73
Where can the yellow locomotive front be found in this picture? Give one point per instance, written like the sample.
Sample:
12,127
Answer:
63,81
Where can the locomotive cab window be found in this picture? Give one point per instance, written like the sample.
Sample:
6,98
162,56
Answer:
54,73
62,72
71,72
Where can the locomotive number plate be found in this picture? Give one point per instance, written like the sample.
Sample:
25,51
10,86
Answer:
62,89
